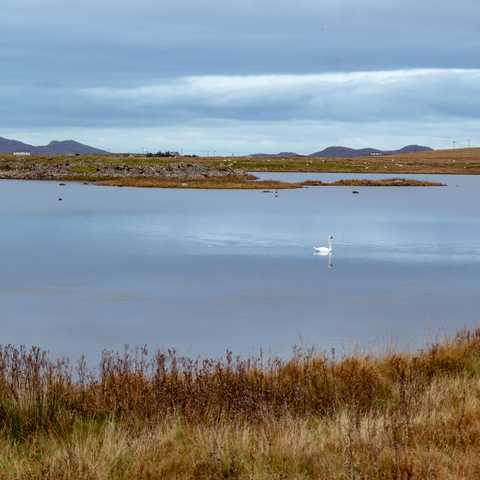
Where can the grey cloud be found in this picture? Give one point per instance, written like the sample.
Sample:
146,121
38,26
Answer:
93,65
428,95
92,42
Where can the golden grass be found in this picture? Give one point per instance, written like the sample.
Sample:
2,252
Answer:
397,416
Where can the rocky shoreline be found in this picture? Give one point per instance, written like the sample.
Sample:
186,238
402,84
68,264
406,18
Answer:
128,172
58,170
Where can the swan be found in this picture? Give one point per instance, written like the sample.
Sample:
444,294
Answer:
325,250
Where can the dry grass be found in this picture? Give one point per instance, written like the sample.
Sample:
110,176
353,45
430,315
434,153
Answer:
399,416
245,182
382,182
459,161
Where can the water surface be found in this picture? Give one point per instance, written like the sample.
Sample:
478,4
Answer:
206,270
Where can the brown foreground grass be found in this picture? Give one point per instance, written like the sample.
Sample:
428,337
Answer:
397,416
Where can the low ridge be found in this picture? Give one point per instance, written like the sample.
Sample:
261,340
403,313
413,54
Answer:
345,152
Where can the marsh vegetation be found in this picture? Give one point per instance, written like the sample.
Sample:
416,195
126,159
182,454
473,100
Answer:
142,415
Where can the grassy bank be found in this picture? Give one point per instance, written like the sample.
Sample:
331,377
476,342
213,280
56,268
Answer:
159,416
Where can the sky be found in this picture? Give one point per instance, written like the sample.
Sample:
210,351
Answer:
204,76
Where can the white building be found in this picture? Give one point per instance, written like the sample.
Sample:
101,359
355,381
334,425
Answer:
22,154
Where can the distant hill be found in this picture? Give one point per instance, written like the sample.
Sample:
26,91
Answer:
10,146
364,152
346,152
64,147
413,149
281,154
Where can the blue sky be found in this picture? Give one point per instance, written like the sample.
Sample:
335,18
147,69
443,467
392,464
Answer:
240,77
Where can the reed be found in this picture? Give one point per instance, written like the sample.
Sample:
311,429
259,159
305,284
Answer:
160,415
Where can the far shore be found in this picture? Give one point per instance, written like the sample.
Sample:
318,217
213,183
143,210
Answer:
236,172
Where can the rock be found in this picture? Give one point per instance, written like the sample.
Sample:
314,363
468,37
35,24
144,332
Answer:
90,171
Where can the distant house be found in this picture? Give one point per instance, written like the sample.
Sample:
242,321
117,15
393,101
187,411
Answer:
22,154
376,154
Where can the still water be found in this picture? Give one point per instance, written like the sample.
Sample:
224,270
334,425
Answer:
206,270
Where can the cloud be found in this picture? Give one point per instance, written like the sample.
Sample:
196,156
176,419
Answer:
243,114
106,41
180,65
358,96
403,95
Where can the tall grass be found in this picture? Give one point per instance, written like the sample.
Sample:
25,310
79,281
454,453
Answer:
141,415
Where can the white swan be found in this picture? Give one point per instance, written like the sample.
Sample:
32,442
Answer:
325,250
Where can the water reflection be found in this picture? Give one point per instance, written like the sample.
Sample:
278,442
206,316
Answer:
328,255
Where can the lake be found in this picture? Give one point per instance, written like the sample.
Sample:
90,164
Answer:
207,270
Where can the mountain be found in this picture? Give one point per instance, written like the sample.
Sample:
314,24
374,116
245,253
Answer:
281,154
345,152
9,146
365,152
69,146
64,147
414,149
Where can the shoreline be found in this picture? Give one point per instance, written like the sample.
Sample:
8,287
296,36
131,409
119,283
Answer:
231,183
204,173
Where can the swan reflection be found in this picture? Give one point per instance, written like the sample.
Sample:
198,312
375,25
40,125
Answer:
325,251
329,255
